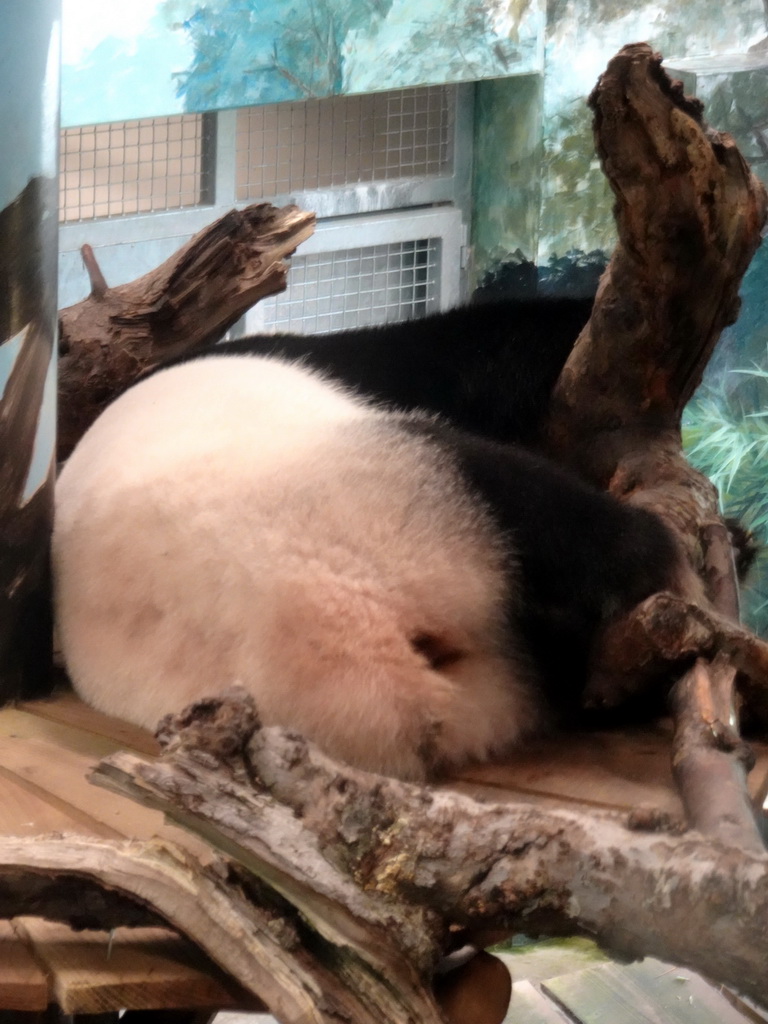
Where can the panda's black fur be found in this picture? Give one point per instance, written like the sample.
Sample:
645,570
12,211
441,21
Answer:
583,559
482,575
486,368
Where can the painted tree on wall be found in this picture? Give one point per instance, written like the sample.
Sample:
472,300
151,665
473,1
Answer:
266,51
251,51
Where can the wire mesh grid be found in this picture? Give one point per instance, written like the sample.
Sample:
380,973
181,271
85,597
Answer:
125,167
356,287
343,140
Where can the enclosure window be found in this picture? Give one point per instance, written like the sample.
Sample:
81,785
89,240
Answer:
287,147
352,287
128,167
381,172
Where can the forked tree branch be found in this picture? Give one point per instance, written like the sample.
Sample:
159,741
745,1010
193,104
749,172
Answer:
689,214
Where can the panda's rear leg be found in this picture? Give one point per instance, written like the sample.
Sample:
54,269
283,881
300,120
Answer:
343,668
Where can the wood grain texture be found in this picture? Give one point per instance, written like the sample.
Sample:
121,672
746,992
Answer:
66,708
141,969
52,771
619,770
23,984
45,763
27,811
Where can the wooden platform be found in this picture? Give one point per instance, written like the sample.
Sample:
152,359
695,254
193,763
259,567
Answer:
617,770
47,749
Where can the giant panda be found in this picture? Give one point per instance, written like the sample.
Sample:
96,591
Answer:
409,595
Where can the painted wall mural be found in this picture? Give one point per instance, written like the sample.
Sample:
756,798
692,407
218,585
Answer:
152,58
726,423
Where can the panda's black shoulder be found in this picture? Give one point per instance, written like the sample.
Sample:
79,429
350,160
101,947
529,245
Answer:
583,554
577,557
488,368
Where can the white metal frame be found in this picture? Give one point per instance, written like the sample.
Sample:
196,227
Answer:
348,216
443,222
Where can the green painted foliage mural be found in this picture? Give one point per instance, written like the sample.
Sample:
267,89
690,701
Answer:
725,428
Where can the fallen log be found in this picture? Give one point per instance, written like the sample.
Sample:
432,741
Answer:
355,860
332,889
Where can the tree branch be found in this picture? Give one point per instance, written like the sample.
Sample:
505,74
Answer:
710,761
99,286
109,339
241,924
483,866
689,214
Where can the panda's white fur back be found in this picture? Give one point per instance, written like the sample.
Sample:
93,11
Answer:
243,520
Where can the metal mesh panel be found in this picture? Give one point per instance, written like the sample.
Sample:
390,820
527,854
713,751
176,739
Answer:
109,170
356,287
287,147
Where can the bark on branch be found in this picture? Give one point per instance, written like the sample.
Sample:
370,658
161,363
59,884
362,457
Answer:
243,924
109,339
706,745
324,872
439,855
689,214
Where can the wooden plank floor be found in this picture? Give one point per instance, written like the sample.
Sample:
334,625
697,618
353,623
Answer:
616,770
47,749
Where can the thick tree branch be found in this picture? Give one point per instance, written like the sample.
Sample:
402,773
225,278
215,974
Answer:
665,633
719,569
109,339
482,865
689,215
707,748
